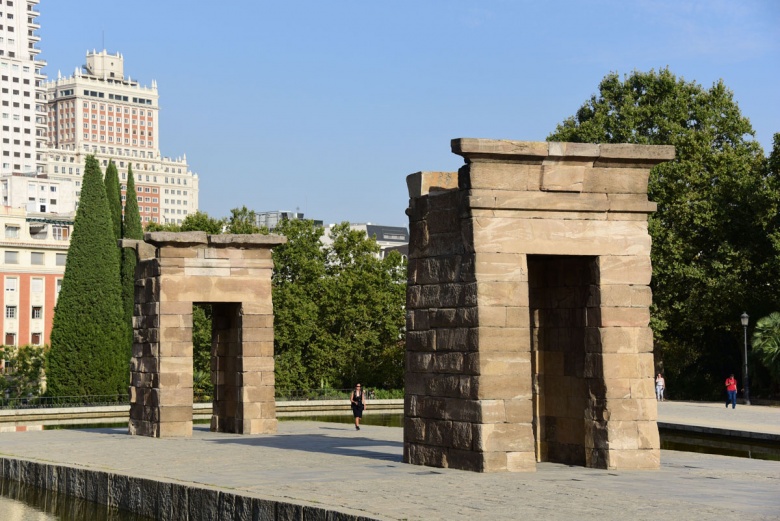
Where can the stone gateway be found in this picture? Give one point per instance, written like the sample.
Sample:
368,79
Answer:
233,274
528,303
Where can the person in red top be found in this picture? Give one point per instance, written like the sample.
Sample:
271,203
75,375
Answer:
731,391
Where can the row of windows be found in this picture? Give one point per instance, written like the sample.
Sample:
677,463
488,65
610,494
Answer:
37,258
36,339
94,106
35,313
36,285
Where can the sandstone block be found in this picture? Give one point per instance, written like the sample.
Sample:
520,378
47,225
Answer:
560,237
421,340
503,437
503,176
423,183
501,267
501,387
456,339
502,293
618,317
176,414
506,339
419,362
435,270
263,349
414,429
640,459
172,429
617,180
448,362
519,410
419,454
474,149
466,460
563,176
624,269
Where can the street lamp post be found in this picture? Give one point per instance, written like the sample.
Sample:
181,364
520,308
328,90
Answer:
745,318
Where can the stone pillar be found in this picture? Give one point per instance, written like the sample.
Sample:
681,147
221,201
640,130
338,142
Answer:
528,308
231,272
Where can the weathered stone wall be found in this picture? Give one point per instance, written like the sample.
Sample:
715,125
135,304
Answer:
151,498
476,381
232,272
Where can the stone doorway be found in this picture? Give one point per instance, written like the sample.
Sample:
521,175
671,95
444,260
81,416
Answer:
528,308
231,273
559,298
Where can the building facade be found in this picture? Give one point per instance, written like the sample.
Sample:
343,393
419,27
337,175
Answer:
389,238
22,97
98,111
34,251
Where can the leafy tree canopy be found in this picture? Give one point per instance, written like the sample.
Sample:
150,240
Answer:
713,254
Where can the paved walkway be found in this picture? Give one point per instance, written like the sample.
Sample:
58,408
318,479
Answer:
361,472
750,421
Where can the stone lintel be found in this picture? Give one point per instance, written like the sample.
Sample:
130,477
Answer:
508,150
246,240
176,238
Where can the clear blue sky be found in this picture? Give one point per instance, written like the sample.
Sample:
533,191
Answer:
327,106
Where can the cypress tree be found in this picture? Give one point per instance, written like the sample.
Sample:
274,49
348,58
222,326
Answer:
131,230
86,355
114,195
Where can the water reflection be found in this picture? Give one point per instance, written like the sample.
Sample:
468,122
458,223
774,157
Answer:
20,502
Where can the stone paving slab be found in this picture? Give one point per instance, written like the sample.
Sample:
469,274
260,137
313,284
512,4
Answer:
333,465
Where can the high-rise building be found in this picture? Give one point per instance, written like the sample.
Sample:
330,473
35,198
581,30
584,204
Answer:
46,131
22,98
100,111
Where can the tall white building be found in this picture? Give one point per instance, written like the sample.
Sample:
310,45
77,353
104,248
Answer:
22,97
100,111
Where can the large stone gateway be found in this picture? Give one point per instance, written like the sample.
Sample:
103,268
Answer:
233,274
528,332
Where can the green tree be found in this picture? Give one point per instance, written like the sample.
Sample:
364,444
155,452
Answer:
131,229
712,256
338,310
24,371
201,221
242,221
88,336
114,195
766,343
299,268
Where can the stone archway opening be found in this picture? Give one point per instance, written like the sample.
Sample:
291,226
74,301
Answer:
560,289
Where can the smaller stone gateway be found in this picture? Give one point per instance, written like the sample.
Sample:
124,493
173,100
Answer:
233,274
528,301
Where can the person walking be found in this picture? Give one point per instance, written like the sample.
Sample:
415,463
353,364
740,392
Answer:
731,392
660,385
358,402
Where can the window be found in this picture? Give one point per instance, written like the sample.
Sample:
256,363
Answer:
37,312
10,339
11,283
11,232
61,259
10,312
60,233
35,339
36,258
36,285
12,257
